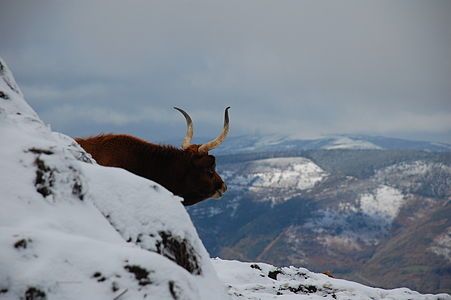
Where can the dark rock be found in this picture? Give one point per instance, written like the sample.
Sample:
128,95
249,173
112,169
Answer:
114,286
138,238
44,178
180,251
304,289
10,85
4,96
141,274
175,290
33,293
77,189
40,151
22,244
273,274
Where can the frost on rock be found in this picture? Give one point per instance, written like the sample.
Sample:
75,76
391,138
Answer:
70,229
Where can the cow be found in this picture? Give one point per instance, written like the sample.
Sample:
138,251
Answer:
188,172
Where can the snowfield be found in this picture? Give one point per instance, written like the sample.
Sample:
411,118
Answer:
263,281
268,177
349,143
384,202
71,229
442,245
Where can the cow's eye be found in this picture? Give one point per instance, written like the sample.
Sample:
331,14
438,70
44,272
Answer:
210,171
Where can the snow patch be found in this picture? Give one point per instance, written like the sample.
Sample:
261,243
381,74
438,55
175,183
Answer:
342,242
268,177
385,202
442,245
358,223
350,143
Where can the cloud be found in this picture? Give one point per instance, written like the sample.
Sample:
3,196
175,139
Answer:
293,67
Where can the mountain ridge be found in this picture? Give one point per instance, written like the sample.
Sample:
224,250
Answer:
365,199
260,143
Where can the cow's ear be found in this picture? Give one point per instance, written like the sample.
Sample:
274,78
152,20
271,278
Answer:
204,161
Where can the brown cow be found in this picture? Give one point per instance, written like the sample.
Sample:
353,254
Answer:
188,172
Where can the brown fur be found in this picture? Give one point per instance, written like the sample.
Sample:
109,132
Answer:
186,173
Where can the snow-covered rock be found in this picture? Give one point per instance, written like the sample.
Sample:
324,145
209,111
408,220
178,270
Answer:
71,229
263,281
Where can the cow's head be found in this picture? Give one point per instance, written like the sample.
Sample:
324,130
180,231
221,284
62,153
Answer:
201,181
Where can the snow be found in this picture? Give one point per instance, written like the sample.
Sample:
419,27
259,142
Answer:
441,245
350,143
407,169
290,174
71,229
379,207
385,202
263,281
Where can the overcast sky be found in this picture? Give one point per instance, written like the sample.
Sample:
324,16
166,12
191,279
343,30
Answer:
301,68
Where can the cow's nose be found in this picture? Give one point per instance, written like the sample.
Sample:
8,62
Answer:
224,187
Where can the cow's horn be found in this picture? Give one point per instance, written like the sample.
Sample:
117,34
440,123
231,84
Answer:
189,130
204,148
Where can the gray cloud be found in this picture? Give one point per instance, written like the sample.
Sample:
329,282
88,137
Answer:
303,68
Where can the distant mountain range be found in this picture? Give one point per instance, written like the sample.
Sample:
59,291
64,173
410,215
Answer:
252,144
371,209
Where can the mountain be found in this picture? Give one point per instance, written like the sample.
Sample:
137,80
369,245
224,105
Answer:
378,215
71,229
257,144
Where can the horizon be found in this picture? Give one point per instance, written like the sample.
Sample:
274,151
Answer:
202,139
303,69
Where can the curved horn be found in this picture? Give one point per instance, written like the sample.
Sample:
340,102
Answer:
189,130
217,141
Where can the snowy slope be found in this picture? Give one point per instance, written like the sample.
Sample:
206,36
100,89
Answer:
349,143
269,177
263,281
276,144
70,229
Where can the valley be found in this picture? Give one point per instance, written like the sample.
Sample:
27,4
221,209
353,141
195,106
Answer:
376,216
